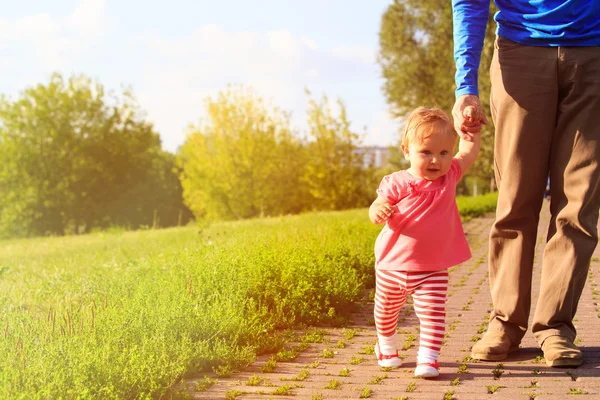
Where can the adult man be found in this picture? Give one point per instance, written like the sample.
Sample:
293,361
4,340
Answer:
545,103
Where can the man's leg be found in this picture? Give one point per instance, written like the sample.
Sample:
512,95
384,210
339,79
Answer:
523,102
575,201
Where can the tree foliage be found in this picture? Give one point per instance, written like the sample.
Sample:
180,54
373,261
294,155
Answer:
245,160
335,174
74,158
416,57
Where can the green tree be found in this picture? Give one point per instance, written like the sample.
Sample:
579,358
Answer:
69,155
335,174
416,57
243,161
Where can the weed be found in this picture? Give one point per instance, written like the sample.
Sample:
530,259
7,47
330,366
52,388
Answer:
254,380
377,379
333,384
449,395
355,360
270,365
497,373
534,384
232,394
314,336
408,342
301,376
286,355
345,371
455,381
411,387
223,371
300,347
366,393
575,391
283,390
327,353
349,333
491,389
368,350
205,383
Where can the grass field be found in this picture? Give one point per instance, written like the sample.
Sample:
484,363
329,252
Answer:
127,314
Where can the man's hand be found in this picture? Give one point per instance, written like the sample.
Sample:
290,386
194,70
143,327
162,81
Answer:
468,116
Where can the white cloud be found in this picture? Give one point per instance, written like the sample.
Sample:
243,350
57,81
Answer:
179,75
364,54
35,26
53,42
311,73
88,18
282,42
311,44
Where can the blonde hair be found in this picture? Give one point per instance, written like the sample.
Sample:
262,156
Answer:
424,116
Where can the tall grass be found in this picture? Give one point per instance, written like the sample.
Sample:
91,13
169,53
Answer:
127,314
124,315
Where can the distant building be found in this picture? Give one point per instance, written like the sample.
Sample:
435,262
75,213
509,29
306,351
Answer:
376,156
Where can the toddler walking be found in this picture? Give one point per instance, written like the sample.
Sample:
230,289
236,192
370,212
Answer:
422,236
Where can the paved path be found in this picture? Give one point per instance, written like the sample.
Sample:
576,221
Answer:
327,371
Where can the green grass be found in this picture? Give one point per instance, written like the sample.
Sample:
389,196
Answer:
128,314
472,207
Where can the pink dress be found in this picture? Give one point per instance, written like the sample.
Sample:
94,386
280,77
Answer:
424,233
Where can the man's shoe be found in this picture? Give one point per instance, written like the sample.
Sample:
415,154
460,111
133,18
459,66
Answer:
559,351
493,346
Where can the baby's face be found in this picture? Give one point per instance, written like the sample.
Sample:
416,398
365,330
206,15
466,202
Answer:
432,158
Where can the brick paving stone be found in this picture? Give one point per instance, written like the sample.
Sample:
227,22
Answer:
524,375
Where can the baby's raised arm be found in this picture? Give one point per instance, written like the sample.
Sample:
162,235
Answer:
468,150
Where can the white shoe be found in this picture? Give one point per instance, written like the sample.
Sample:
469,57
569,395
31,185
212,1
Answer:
385,360
429,370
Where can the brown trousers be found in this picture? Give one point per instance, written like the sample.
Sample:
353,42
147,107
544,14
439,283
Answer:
545,103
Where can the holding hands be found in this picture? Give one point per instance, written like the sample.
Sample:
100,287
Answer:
468,116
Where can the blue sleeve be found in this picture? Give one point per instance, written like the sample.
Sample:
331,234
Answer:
469,23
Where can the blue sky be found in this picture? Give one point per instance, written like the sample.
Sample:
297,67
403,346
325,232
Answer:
174,54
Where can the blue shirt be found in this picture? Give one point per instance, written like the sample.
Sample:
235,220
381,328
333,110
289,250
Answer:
528,22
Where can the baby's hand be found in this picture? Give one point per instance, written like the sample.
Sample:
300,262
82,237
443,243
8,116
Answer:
471,114
469,117
384,211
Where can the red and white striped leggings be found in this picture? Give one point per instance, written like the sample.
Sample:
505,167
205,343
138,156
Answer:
428,291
